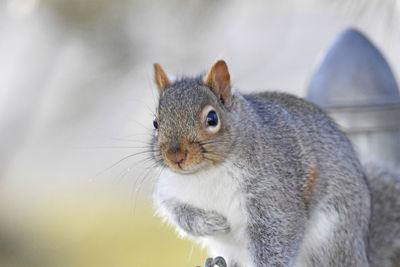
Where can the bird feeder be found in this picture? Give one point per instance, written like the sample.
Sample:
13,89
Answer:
356,87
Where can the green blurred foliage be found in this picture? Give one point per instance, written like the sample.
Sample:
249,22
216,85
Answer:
80,231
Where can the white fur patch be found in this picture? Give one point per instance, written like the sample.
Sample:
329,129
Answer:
319,231
213,189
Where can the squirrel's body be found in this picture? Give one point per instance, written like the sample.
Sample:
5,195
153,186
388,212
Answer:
271,182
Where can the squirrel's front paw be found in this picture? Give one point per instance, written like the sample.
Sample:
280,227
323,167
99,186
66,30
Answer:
216,223
199,222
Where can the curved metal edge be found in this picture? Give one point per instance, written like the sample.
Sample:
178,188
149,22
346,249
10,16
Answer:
366,118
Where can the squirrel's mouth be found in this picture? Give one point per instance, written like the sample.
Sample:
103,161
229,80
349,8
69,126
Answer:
191,169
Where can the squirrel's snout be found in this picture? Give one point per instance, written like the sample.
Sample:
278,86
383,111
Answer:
176,155
182,157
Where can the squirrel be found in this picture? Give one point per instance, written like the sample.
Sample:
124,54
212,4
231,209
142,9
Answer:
267,179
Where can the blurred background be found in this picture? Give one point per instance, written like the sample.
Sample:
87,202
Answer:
77,101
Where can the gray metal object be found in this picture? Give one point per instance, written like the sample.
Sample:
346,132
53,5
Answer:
211,262
219,261
356,87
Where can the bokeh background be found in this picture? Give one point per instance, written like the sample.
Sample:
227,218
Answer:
77,97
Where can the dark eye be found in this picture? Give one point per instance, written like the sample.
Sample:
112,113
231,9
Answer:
212,119
155,123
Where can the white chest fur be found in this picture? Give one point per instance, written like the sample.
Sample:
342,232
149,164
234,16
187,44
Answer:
215,189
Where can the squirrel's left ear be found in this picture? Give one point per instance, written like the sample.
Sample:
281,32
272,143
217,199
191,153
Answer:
219,80
160,77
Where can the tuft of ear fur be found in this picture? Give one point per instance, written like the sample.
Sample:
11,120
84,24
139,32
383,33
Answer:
218,79
160,77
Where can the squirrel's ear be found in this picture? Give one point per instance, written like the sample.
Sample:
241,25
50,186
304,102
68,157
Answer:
219,80
160,77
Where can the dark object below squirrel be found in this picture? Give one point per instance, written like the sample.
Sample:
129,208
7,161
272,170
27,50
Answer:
211,262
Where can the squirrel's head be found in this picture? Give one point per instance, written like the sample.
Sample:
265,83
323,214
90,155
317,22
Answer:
192,128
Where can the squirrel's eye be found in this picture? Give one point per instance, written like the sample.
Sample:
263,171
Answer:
209,117
155,123
212,119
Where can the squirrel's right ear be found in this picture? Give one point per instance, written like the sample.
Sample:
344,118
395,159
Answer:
160,77
219,80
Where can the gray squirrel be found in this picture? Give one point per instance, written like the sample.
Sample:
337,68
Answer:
268,179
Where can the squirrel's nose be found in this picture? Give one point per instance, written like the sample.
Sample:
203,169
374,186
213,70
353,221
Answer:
177,156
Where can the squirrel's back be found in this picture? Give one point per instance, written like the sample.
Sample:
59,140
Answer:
294,109
320,137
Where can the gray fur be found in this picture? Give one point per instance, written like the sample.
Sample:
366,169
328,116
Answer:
384,237
297,136
198,222
277,139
